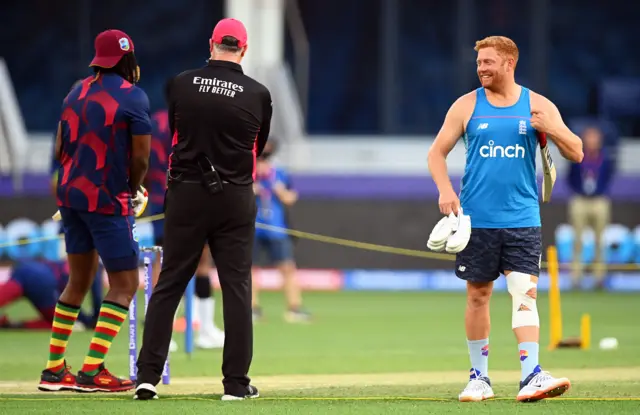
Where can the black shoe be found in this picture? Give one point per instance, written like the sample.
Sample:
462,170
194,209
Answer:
252,392
298,315
145,392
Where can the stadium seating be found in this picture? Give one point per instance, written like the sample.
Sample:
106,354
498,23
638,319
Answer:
345,76
619,100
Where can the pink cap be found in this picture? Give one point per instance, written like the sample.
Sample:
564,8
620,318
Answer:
230,27
111,46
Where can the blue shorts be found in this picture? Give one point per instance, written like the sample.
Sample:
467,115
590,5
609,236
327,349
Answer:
112,236
38,282
277,250
491,252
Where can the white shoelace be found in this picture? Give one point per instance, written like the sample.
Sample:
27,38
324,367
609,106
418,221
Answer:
540,378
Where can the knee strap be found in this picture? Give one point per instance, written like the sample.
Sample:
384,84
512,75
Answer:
523,296
203,286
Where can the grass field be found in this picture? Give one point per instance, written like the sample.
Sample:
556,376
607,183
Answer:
364,353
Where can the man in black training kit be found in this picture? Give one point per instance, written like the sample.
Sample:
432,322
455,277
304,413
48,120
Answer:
220,121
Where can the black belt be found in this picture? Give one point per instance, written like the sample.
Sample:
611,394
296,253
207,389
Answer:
191,178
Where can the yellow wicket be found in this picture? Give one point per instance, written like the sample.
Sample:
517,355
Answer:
555,311
585,332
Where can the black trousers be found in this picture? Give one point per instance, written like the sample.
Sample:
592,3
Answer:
226,221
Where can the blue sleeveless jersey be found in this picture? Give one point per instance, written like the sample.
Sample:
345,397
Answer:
499,188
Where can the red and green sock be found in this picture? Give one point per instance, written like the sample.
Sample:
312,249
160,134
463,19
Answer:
64,317
110,320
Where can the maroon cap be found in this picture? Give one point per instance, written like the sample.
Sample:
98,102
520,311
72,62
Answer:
230,27
111,46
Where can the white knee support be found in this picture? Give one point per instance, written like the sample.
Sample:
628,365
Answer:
523,295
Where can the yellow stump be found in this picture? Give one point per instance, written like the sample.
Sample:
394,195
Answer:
555,312
585,332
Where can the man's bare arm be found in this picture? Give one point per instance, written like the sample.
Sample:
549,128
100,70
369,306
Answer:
140,152
569,144
547,119
450,132
286,196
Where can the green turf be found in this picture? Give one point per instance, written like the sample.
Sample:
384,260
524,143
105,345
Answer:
370,332
367,333
370,400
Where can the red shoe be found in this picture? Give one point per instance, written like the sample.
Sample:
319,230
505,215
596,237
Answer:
56,382
103,381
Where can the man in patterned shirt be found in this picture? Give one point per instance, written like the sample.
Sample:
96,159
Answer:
103,146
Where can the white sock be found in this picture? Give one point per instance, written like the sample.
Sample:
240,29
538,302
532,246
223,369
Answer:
195,312
206,308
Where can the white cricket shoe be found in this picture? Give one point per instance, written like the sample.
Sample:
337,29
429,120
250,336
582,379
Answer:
210,339
478,389
79,326
541,385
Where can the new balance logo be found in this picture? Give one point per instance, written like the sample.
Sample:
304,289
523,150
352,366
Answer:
493,151
483,126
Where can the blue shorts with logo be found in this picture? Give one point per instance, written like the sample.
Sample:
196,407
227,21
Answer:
277,250
491,252
112,236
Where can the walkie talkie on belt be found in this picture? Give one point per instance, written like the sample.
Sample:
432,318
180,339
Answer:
211,178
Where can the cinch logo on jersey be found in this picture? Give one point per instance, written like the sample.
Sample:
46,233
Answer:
492,151
217,86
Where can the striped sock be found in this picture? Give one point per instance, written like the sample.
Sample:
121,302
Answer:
63,318
110,320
